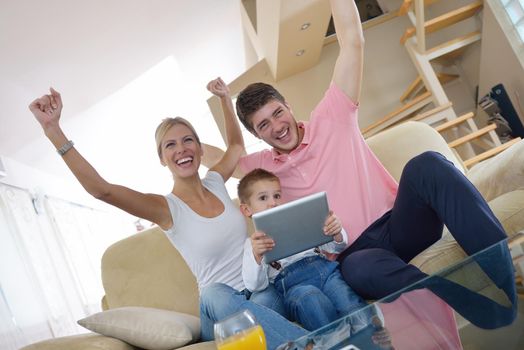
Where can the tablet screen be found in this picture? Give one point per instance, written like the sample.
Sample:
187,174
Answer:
294,226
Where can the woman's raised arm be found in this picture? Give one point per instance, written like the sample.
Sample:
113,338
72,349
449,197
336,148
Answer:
47,110
235,142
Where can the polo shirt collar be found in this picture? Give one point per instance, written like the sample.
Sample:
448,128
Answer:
305,140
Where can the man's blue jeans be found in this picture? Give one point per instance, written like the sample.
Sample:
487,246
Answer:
315,293
218,301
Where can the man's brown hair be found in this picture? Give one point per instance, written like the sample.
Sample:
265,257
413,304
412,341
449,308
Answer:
252,98
246,183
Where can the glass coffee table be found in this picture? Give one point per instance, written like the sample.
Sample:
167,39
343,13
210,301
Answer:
458,308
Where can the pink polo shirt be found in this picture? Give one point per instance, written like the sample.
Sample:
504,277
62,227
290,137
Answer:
333,157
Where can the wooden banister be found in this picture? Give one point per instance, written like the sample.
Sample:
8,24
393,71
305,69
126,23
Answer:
411,88
490,153
462,140
406,5
417,84
453,45
407,34
445,20
454,122
404,8
398,111
431,112
425,114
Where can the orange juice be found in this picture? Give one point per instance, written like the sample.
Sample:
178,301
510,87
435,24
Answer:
251,339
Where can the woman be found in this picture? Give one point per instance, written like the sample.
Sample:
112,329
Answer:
197,215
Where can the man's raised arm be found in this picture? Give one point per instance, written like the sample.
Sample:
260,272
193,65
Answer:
349,65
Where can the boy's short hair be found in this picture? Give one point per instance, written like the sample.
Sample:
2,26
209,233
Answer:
246,183
252,98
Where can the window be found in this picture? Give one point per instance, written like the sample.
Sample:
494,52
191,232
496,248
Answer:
515,11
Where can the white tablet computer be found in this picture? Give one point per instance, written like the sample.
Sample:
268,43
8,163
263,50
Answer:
294,226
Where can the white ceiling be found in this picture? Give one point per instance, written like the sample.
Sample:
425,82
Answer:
88,50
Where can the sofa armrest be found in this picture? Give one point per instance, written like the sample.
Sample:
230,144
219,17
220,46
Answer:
396,146
500,174
509,209
103,303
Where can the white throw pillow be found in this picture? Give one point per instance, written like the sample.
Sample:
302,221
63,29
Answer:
148,328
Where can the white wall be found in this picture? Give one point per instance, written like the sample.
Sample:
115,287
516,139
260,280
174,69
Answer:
499,62
117,135
23,176
388,71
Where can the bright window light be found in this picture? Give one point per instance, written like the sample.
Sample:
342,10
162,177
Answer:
515,11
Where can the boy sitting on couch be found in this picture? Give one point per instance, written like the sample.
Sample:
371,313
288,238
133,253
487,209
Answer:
311,286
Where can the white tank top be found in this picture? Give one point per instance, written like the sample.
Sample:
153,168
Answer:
211,247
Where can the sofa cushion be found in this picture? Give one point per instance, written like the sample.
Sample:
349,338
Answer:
146,270
148,328
509,209
444,252
88,341
500,174
396,146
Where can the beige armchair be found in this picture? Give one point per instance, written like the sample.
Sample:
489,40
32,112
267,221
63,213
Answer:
146,270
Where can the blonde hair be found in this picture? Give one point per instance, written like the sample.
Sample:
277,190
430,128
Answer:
165,125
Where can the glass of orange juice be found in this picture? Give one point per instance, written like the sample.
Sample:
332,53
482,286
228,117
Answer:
239,331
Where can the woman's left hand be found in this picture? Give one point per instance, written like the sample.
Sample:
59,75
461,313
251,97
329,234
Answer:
218,88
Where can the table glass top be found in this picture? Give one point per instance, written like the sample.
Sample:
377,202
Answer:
460,307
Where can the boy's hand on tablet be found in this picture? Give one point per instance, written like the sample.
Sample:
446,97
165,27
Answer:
261,243
333,227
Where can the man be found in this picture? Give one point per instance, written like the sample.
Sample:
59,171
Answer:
387,224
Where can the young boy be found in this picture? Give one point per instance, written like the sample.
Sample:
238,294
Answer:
312,287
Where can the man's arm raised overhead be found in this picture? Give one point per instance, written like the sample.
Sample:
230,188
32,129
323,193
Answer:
347,73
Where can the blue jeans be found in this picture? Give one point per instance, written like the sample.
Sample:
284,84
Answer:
218,301
315,294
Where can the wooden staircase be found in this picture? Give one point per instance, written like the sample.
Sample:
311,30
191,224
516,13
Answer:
473,136
470,143
417,86
414,39
440,22
400,114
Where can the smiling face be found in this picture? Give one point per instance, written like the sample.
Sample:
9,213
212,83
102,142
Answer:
180,151
275,124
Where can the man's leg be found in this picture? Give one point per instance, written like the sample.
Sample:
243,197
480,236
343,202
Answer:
375,273
381,273
219,301
432,191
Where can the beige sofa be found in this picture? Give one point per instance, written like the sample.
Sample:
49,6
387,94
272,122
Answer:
146,270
